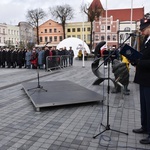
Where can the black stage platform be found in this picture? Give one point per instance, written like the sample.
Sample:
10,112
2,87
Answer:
59,93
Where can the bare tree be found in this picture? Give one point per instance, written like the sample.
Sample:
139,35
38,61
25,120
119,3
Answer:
63,13
34,16
93,12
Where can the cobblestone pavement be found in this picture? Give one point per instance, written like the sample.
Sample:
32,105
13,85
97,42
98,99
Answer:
68,127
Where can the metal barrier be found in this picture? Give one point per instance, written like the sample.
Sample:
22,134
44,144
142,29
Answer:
57,62
52,62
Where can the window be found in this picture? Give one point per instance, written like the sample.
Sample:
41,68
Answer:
4,40
84,37
50,38
88,37
68,30
127,29
60,38
108,37
50,30
55,38
79,36
121,37
45,30
78,29
102,28
88,29
114,38
73,30
108,28
9,31
55,30
41,40
46,39
102,37
96,38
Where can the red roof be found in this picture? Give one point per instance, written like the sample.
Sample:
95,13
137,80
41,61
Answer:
125,14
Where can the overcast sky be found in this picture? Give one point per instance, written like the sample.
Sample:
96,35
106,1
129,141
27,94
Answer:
14,11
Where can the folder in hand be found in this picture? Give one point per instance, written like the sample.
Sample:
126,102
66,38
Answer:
130,53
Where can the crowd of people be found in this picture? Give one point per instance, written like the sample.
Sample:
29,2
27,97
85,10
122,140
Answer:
46,57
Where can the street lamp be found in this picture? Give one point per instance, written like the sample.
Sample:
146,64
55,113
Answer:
26,37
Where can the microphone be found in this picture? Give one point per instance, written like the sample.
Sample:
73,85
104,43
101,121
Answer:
47,43
134,34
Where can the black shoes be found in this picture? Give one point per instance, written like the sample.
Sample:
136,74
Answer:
139,131
146,140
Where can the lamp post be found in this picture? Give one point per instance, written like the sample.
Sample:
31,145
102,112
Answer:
106,25
131,18
26,37
83,36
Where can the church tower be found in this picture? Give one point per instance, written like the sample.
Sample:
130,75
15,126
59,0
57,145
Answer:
97,8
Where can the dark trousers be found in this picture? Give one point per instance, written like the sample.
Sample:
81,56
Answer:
71,61
145,107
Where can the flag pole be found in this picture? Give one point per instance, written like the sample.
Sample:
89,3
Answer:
83,36
131,18
106,25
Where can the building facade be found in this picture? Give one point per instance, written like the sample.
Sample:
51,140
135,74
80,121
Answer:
80,30
50,32
26,34
12,37
9,35
100,30
125,28
3,34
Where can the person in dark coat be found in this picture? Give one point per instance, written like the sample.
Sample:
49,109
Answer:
40,58
3,58
46,54
19,58
142,77
8,58
28,59
65,57
0,57
71,55
13,58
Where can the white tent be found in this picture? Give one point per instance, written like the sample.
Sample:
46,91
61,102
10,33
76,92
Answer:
75,43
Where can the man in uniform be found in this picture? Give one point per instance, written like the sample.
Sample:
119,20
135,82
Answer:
142,77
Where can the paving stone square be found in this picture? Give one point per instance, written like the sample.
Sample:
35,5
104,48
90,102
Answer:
68,127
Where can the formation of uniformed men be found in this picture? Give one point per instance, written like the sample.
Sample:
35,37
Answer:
37,57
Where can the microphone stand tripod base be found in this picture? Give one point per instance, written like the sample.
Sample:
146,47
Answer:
38,87
107,127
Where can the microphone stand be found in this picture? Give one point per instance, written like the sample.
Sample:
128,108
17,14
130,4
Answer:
113,52
38,78
107,126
